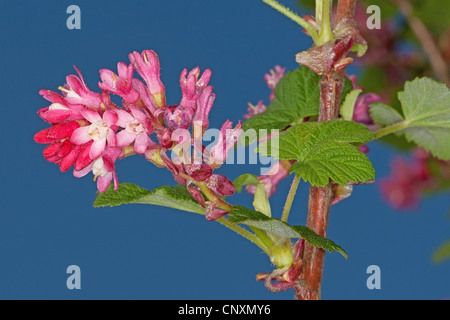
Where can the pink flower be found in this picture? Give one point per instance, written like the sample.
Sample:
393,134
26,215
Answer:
361,112
204,104
180,118
103,169
227,139
198,172
221,185
165,138
404,188
254,110
77,92
148,102
60,110
60,151
212,213
273,77
121,84
136,128
192,87
148,67
100,131
276,174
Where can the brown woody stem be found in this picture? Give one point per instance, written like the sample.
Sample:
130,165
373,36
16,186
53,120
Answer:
331,86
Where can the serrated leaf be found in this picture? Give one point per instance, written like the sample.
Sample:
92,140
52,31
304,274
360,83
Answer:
296,97
167,196
319,241
245,179
426,115
281,229
325,151
384,114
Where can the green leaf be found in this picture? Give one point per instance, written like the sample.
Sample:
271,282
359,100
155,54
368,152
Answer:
296,97
346,110
426,115
325,151
281,229
245,179
442,253
167,196
319,241
384,114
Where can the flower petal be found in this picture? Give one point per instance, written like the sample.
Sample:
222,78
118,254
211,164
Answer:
124,138
80,136
97,148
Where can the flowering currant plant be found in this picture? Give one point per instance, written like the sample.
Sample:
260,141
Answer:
317,127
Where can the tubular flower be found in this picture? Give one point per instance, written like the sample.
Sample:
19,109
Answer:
77,92
226,141
192,87
273,77
60,151
60,110
254,110
121,84
205,102
148,67
90,133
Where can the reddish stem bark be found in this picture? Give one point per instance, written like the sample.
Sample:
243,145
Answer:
319,201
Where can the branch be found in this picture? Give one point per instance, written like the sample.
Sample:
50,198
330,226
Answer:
438,64
319,201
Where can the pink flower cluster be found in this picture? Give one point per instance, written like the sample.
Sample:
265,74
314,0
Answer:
409,180
89,132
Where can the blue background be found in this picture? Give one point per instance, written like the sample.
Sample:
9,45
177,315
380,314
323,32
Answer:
47,221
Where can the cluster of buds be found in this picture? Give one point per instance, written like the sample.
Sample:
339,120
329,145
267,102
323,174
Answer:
89,132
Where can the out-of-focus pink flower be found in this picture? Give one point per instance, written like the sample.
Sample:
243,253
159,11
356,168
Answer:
136,129
362,106
227,139
100,130
408,181
278,172
273,77
103,169
148,67
77,92
254,110
121,84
